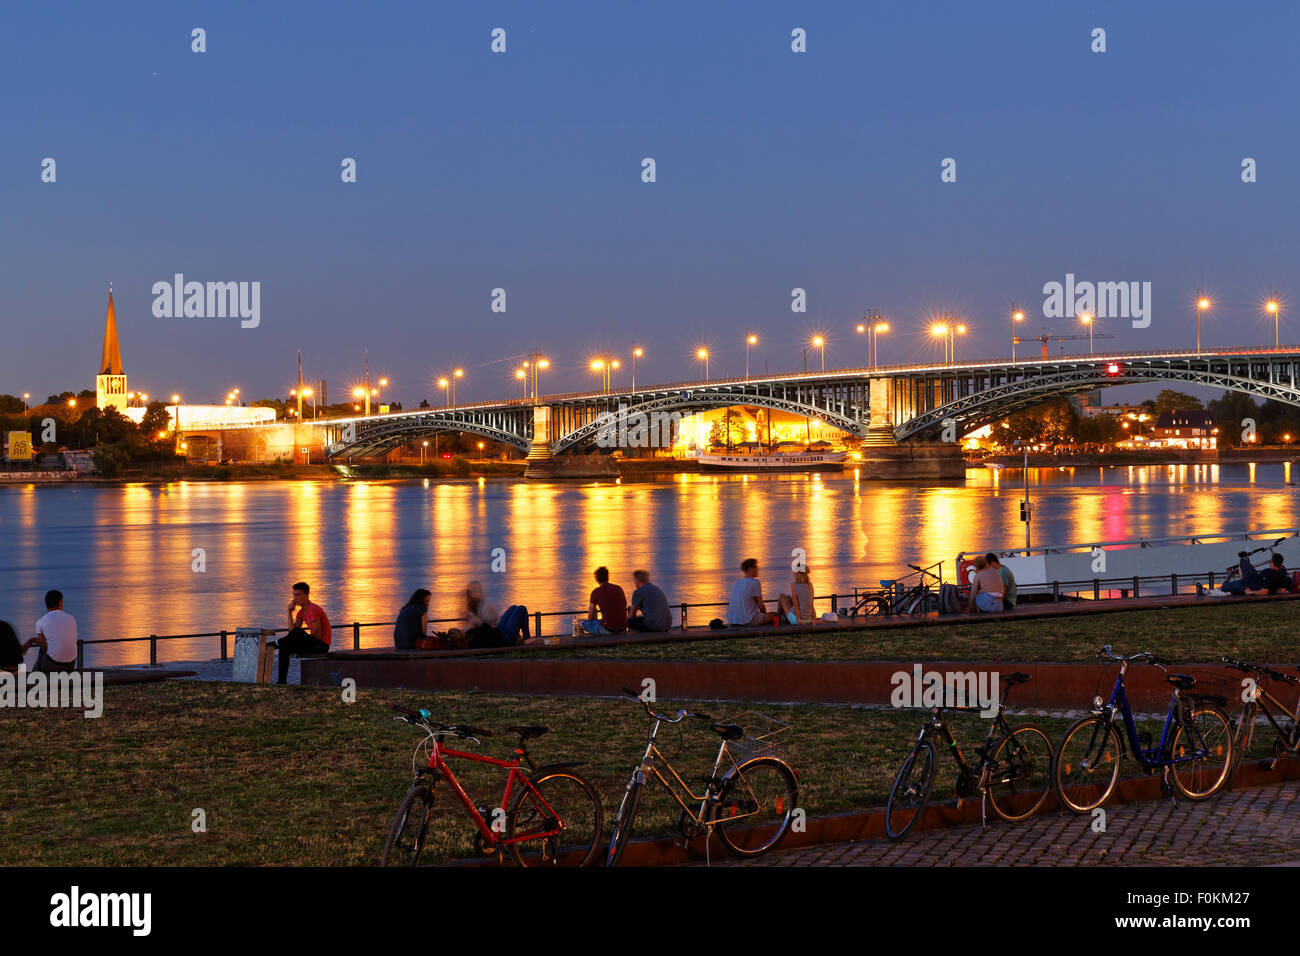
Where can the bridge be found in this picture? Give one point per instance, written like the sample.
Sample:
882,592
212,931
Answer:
891,408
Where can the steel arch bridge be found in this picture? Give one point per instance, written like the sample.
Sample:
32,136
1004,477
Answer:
885,405
972,396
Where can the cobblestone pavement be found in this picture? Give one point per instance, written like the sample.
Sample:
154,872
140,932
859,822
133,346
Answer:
1256,826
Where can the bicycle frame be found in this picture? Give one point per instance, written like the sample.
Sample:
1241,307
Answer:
1155,757
941,728
1262,699
439,766
648,767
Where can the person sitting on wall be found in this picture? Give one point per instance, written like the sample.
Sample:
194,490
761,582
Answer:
649,606
412,621
986,587
1008,581
309,630
611,602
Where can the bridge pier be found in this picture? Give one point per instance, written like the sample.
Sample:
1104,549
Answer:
542,462
915,460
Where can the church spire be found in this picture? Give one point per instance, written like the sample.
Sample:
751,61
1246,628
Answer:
111,361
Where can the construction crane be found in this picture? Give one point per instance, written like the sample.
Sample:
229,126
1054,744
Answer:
1045,338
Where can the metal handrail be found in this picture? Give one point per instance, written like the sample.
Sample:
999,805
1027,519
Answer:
357,626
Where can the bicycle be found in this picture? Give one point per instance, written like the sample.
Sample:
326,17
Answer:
1195,747
750,804
1257,698
547,816
1013,773
896,597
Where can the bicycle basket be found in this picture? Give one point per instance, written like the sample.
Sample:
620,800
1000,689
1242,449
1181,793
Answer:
764,737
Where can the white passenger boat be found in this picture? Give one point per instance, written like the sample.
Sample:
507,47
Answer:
785,457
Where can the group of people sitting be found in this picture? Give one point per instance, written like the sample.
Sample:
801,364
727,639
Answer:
608,612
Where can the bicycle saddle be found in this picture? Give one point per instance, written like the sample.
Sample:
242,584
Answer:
528,732
728,731
1181,681
1019,677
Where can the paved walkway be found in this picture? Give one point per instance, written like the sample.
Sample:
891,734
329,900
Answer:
1256,826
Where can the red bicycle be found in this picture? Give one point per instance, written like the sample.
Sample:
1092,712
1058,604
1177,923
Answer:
547,816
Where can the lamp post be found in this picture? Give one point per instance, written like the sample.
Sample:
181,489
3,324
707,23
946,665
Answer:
750,339
1202,303
26,396
636,354
176,404
446,392
703,356
457,373
423,446
533,367
599,366
1016,316
872,327
522,377
1273,309
1086,319
819,343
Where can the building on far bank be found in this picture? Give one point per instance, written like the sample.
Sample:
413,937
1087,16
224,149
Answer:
1185,428
111,392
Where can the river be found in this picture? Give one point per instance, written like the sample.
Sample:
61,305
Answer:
190,557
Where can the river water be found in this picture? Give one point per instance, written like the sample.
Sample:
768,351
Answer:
125,556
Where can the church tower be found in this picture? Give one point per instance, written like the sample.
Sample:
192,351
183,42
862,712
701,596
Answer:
110,383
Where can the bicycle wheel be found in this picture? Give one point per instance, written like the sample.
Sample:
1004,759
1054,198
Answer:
1021,773
911,790
576,804
755,806
623,821
405,842
1243,737
1209,734
1086,766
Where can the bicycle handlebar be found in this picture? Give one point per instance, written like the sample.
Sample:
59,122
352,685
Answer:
422,716
1143,656
681,714
1248,668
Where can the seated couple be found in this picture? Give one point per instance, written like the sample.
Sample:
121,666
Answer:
1272,580
993,586
649,610
482,626
747,608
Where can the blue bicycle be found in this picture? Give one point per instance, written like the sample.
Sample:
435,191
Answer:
1195,747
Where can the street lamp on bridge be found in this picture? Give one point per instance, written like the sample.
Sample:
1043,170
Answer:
1016,316
446,391
532,368
1202,303
872,327
819,343
948,332
1272,307
1086,319
637,352
750,339
703,355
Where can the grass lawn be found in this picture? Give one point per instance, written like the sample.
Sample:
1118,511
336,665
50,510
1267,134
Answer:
1263,631
297,777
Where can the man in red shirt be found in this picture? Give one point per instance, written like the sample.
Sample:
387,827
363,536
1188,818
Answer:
610,600
309,630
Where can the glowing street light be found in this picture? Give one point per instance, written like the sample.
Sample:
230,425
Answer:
26,396
637,352
1202,303
750,339
872,327
446,394
703,355
1086,319
1272,307
423,446
819,343
522,377
1016,316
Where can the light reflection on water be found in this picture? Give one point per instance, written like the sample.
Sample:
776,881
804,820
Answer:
123,555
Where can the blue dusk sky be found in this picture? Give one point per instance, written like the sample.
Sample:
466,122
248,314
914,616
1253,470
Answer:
523,171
